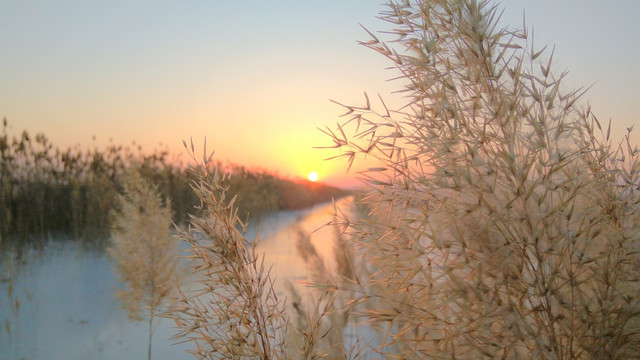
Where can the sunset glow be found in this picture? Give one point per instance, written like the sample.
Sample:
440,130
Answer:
177,72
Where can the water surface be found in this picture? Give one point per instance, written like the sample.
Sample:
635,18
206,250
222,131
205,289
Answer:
58,303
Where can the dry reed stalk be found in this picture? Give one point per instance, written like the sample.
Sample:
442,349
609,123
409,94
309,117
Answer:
235,313
323,326
503,220
143,249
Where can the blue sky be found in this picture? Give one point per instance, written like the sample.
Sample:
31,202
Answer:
255,77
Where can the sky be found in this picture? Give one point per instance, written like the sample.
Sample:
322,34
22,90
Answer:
256,77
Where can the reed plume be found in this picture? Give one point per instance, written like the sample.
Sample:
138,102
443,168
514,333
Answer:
143,249
234,312
503,220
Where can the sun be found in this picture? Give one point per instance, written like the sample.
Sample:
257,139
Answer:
313,176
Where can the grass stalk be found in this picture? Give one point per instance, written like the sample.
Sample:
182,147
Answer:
144,250
502,217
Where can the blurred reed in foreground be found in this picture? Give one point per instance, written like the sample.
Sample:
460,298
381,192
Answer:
143,249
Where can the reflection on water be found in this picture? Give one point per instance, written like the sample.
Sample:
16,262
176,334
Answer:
56,300
270,224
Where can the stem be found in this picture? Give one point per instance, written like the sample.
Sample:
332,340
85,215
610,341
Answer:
150,332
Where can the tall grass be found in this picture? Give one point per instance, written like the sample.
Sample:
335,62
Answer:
504,220
235,313
143,249
233,308
46,190
322,326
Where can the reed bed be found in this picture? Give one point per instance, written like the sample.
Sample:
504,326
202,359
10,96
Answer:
45,190
502,219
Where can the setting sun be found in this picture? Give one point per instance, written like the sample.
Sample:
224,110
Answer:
313,176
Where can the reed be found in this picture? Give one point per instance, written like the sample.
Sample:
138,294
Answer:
232,309
234,312
46,190
143,249
322,323
503,218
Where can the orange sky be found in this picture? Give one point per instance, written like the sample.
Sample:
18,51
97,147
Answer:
255,78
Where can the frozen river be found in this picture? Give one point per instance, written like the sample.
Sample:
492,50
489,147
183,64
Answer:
60,305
